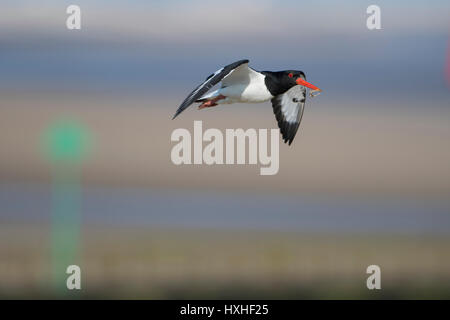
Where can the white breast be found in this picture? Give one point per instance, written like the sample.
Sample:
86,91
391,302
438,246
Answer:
253,91
243,84
256,91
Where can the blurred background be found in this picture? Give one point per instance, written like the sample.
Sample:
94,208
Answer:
86,176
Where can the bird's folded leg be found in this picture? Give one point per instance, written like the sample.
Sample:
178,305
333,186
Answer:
211,103
207,104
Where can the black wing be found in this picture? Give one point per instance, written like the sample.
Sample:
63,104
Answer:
210,82
288,108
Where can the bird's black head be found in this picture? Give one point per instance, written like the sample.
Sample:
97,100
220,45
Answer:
281,81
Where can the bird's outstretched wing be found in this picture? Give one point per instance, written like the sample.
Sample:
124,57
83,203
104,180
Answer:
210,82
288,108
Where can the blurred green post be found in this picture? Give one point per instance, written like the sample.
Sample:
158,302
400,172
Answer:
66,144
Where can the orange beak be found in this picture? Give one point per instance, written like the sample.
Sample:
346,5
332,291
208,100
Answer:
302,82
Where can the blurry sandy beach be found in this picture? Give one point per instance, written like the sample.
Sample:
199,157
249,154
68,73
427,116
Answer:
358,148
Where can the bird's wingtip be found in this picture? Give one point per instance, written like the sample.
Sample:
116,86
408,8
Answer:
177,113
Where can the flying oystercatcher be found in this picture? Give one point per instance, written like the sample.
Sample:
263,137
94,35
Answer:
240,83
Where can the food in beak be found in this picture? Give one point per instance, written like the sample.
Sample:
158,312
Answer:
315,90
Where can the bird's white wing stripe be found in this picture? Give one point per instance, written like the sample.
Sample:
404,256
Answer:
242,74
206,81
288,108
212,80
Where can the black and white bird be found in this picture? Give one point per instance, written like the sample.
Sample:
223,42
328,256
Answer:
240,83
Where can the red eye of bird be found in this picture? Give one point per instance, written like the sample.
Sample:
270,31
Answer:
290,75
